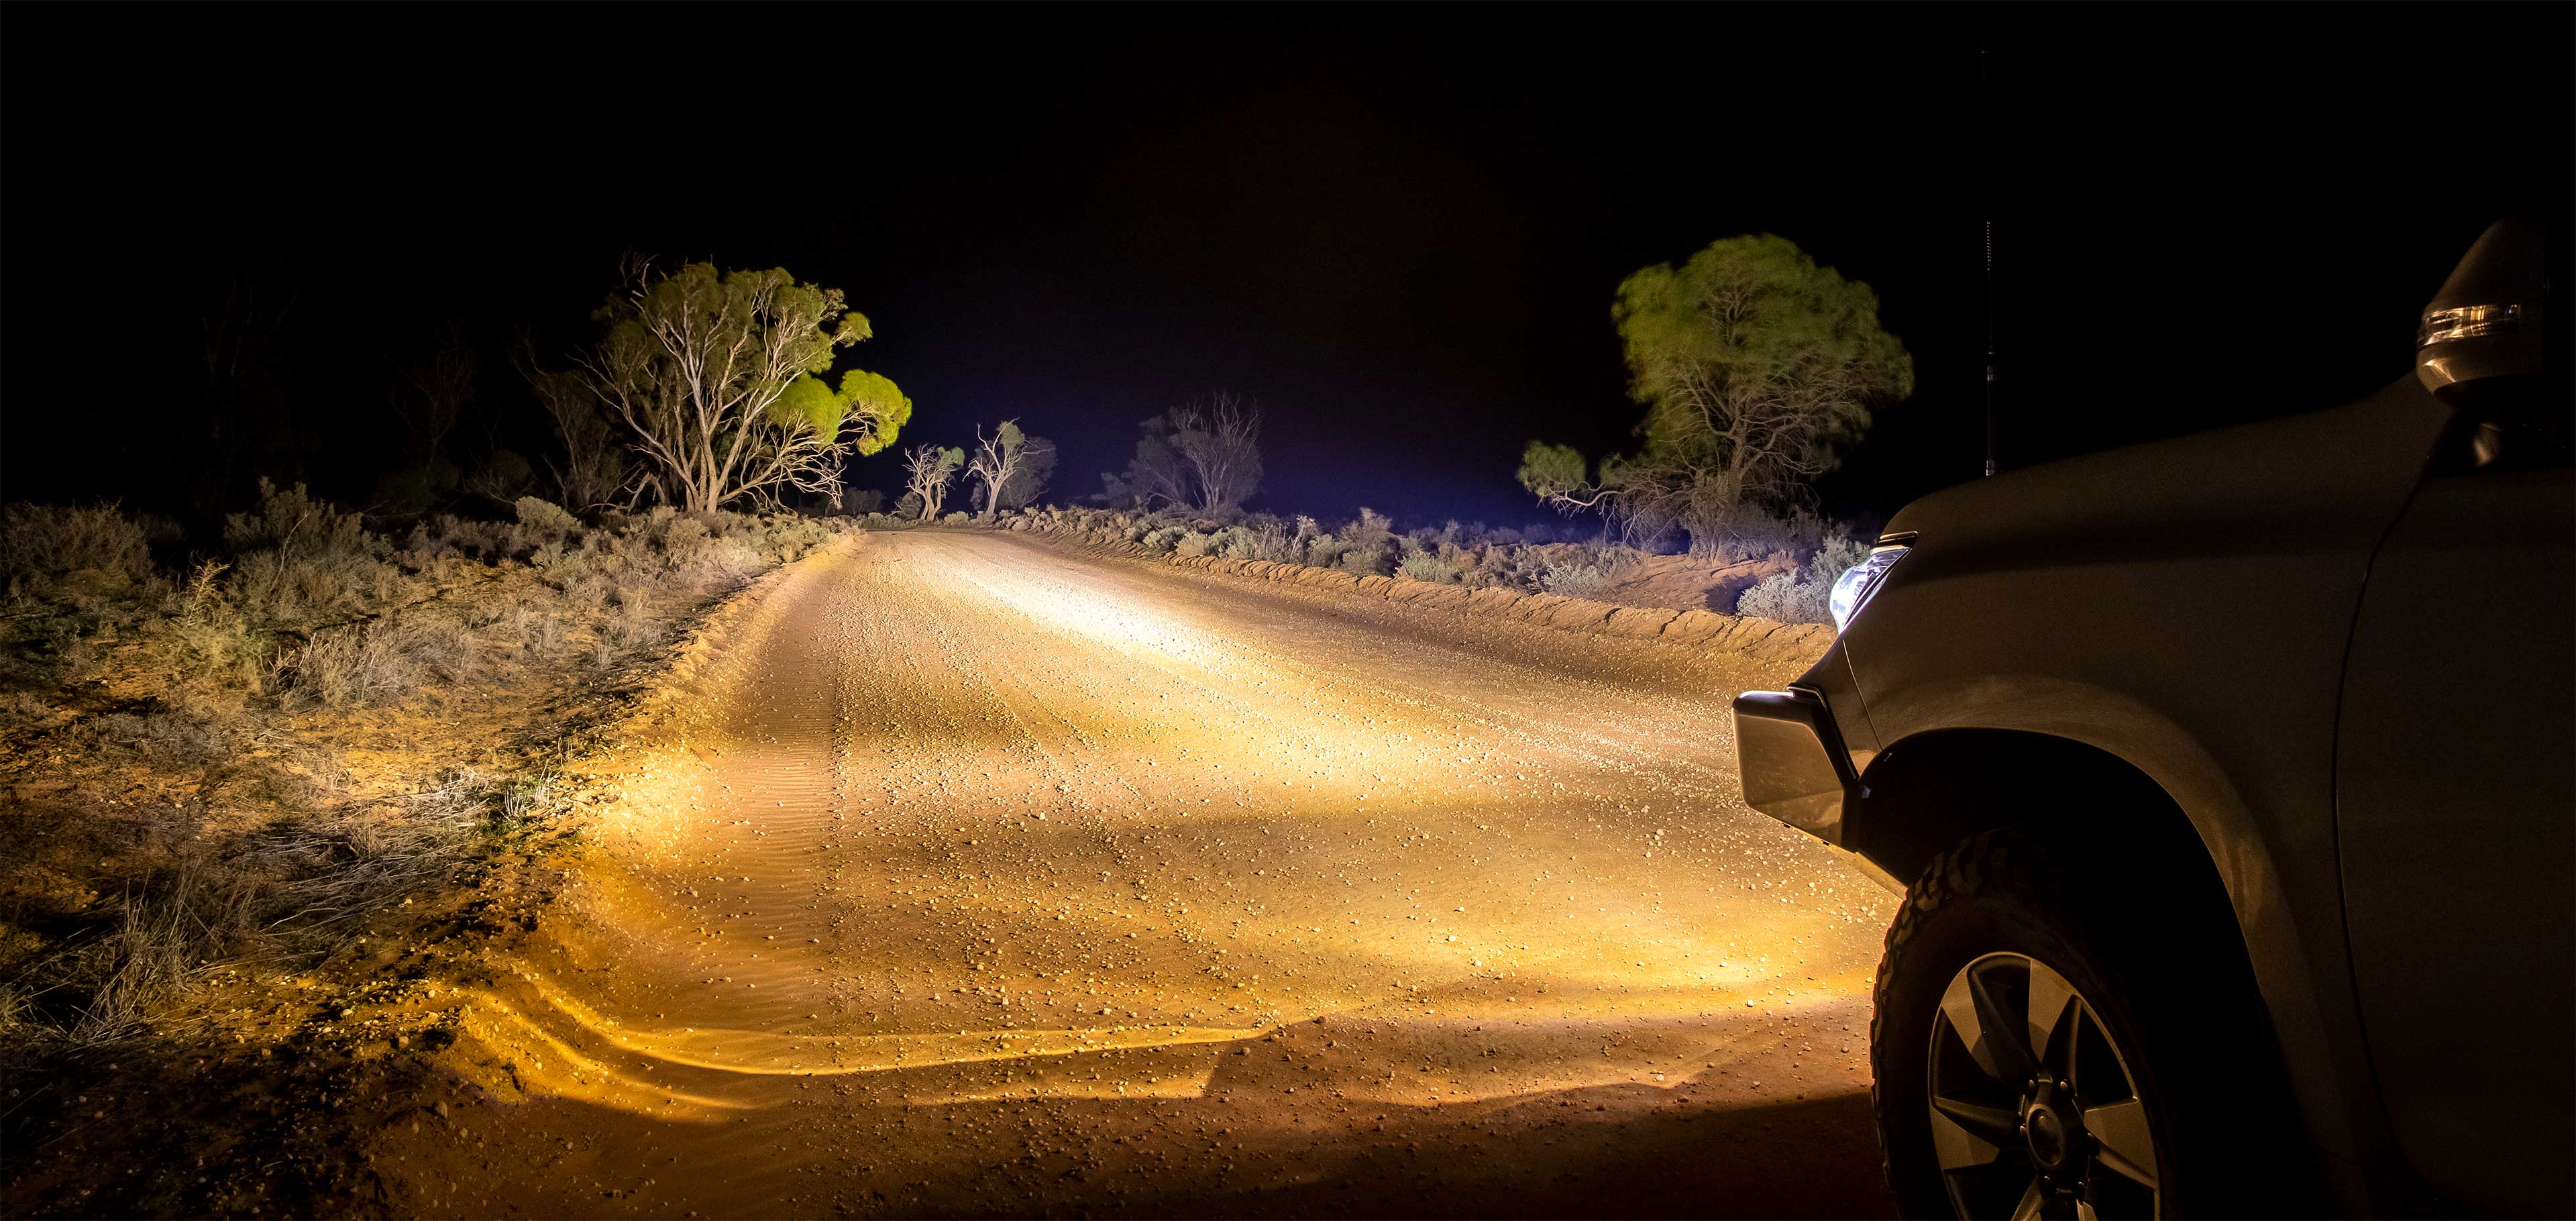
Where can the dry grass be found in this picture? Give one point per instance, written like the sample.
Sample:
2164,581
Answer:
246,759
250,792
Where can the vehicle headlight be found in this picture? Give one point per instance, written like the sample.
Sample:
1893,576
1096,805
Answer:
1852,589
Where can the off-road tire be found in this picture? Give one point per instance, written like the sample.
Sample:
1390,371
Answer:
2170,986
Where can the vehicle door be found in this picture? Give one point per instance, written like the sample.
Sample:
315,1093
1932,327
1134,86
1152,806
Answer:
2455,800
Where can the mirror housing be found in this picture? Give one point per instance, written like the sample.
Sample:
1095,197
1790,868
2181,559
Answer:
2485,326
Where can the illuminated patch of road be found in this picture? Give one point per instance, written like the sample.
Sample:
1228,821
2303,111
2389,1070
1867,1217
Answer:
958,820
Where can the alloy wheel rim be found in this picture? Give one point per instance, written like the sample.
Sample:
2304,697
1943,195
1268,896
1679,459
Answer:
2034,1111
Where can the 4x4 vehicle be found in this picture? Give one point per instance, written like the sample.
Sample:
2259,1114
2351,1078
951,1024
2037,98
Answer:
2231,780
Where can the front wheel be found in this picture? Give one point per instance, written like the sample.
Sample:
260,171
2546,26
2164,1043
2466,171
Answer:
2038,1053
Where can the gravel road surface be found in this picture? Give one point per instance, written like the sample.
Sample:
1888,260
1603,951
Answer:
974,876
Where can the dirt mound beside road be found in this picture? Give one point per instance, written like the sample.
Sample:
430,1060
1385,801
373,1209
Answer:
1663,579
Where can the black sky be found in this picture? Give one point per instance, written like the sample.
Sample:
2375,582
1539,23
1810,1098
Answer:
1397,228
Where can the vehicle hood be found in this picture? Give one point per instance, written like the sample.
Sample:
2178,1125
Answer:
2322,478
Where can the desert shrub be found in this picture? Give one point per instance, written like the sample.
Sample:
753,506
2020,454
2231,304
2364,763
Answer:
1367,545
1575,580
1790,597
634,626
20,709
49,541
1162,541
1423,565
373,663
1479,566
1805,594
590,592
298,558
1373,529
271,587
170,739
546,518
1195,543
168,930
296,525
722,560
213,648
1837,554
1752,532
539,632
1260,537
467,536
682,539
956,519
655,523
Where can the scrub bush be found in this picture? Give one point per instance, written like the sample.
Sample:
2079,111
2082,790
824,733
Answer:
545,518
1790,597
51,543
1575,580
376,663
1426,566
1805,595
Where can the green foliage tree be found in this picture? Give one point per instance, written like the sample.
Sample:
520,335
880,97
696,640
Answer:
720,381
1757,368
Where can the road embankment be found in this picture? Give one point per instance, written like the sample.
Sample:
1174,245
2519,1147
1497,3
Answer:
1764,639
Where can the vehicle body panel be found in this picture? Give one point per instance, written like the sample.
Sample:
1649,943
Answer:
2456,809
2183,606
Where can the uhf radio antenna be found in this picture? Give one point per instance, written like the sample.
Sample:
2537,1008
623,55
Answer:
1986,111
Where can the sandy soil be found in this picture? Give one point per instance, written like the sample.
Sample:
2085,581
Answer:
972,877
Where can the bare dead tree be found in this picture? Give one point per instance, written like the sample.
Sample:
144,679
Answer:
431,395
1029,479
242,419
928,470
592,468
1203,455
1157,476
996,462
234,342
1219,439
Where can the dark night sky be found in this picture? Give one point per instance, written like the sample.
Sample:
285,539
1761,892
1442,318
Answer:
1397,228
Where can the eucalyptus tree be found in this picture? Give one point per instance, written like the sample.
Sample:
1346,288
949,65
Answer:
928,470
996,462
720,381
1030,476
1011,467
1203,455
1756,368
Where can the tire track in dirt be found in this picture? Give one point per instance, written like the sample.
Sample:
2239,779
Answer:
972,877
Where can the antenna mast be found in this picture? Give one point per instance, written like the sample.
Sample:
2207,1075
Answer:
1984,102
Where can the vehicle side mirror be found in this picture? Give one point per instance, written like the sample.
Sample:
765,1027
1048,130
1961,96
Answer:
2483,331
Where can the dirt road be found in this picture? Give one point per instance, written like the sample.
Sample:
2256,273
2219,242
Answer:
975,877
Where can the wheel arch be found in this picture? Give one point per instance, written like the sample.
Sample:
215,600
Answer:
1937,788
1934,789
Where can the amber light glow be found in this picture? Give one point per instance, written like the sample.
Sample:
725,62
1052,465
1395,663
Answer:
1022,828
